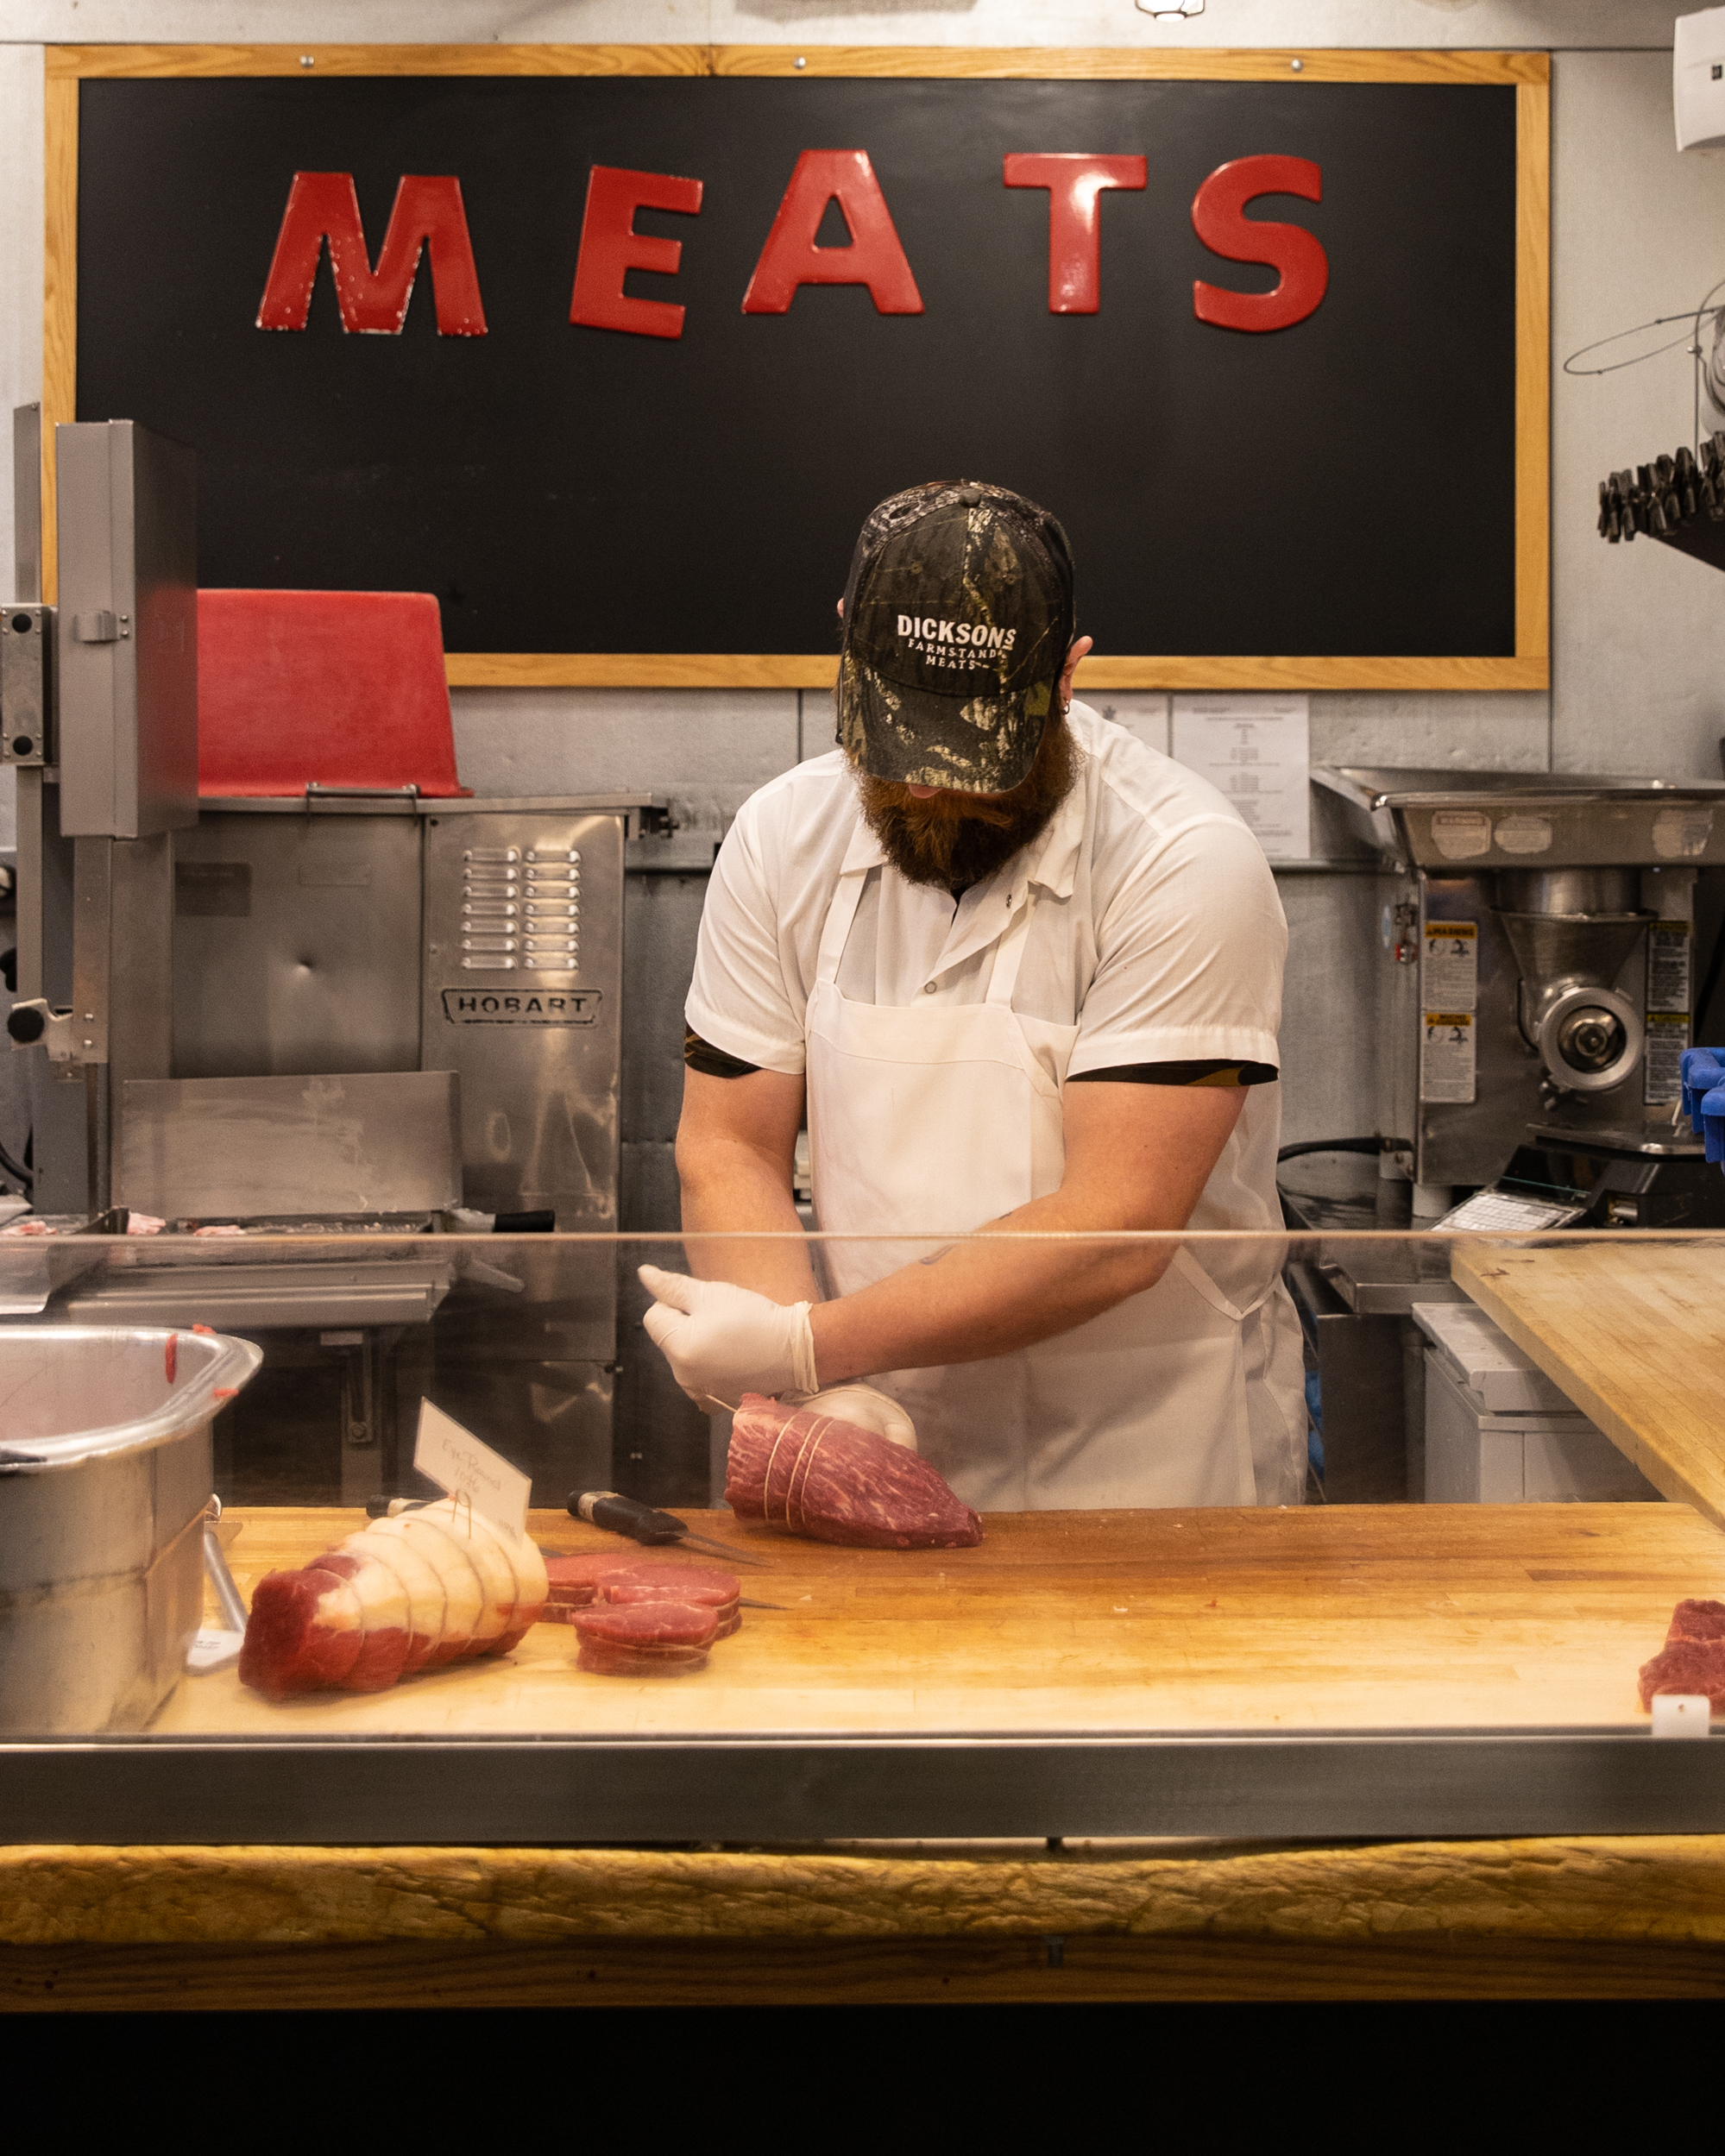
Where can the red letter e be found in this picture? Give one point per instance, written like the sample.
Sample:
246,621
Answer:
610,245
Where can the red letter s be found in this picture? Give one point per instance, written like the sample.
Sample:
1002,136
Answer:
428,212
873,258
1075,183
610,245
1218,219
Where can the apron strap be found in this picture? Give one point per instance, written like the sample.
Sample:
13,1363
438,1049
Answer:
1010,956
834,934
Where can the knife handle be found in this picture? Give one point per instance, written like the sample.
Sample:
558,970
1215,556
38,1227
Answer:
626,1516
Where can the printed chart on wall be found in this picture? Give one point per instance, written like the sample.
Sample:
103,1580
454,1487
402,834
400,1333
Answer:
616,363
1253,748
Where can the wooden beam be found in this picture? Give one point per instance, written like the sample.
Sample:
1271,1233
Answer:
59,301
1532,371
90,62
1103,64
998,63
612,1972
1097,675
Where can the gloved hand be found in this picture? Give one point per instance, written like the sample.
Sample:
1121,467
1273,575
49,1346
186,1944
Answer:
723,1341
862,1404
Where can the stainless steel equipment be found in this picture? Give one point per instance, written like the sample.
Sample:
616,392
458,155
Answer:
104,1478
371,1142
201,981
1537,983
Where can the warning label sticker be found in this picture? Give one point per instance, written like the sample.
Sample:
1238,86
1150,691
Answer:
1668,961
1449,965
1446,1058
1662,1071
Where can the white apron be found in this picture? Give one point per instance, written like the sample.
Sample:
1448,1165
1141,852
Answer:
932,1122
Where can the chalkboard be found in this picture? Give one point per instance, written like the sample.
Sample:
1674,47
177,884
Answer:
1346,486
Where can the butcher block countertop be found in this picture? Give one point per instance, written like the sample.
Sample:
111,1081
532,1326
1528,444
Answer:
1633,1331
1360,1616
1354,1616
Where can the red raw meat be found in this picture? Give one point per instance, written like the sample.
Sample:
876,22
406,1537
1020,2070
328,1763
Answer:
600,1658
645,1640
1696,1620
818,1476
647,1624
305,1631
383,1609
575,1580
676,1580
1692,1665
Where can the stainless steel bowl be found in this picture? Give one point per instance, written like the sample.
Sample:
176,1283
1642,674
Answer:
105,1475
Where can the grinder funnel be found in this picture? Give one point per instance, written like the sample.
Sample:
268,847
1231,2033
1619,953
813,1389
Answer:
1572,931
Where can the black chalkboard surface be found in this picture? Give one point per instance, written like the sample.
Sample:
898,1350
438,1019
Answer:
1343,486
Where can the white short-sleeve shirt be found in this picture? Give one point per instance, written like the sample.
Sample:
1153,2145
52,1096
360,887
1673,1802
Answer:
1157,931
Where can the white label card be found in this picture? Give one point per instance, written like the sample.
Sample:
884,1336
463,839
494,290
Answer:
1253,748
458,1463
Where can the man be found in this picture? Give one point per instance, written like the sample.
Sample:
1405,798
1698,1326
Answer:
1023,973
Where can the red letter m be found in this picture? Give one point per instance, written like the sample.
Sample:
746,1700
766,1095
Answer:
428,212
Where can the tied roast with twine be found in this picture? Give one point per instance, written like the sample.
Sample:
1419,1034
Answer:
814,1475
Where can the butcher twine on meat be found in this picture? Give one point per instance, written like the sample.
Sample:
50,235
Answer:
814,1475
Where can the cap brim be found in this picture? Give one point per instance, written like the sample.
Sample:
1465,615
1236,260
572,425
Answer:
973,744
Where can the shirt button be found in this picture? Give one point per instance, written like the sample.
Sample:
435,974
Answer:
928,987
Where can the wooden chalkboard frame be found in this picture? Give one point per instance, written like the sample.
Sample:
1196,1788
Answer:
1529,73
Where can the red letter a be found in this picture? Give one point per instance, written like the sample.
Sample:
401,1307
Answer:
1219,217
324,206
873,258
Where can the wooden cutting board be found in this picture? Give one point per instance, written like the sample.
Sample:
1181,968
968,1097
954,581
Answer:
1362,1616
1634,1332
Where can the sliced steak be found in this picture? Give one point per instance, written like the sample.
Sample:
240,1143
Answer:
644,1639
813,1474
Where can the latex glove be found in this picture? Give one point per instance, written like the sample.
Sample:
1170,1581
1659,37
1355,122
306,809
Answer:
723,1341
861,1405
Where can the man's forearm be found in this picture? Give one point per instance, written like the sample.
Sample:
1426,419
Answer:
970,1300
746,1203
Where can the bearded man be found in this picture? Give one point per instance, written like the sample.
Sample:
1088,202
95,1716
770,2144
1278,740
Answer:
1022,973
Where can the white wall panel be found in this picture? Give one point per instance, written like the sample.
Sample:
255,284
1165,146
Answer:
1639,230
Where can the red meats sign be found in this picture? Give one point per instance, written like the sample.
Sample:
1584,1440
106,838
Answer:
611,351
323,207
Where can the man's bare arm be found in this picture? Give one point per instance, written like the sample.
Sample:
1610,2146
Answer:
1136,1157
736,1144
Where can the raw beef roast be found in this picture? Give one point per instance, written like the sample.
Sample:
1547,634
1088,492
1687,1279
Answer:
1696,1620
815,1475
1689,1665
429,1586
305,1631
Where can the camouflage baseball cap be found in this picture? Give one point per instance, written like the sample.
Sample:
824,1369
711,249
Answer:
957,618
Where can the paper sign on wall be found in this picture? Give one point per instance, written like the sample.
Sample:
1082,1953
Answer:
458,1462
1256,751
